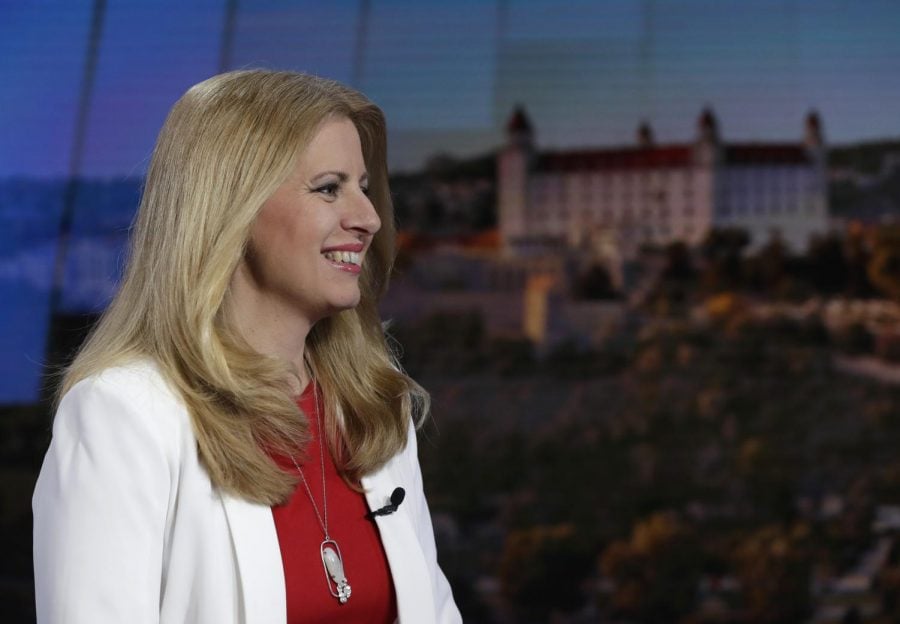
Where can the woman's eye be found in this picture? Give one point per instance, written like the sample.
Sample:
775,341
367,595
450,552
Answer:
365,190
328,189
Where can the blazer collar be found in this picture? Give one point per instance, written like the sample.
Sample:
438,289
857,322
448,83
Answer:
259,565
409,570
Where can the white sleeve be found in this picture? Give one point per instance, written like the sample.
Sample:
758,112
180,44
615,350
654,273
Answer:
445,608
100,507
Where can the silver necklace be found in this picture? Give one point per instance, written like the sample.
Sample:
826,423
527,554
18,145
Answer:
332,560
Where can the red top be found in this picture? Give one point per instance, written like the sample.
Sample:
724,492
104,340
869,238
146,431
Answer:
372,598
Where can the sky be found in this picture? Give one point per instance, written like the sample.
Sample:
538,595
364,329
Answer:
448,74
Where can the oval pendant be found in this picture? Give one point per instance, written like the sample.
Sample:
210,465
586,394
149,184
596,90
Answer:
333,563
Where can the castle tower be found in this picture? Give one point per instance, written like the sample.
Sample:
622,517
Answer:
645,138
814,141
707,151
513,164
814,137
708,157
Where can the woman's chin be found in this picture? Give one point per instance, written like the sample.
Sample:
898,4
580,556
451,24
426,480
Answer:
343,305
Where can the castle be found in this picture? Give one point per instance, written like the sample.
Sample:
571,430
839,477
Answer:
613,201
562,213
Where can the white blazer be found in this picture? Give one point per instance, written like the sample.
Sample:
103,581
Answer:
129,528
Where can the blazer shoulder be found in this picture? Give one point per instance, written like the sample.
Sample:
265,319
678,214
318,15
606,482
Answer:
141,381
128,395
106,499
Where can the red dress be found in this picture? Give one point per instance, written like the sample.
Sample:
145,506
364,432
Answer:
299,535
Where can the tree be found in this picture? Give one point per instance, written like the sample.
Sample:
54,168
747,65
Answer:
827,267
595,283
676,278
774,564
722,251
542,570
770,266
762,466
884,267
655,571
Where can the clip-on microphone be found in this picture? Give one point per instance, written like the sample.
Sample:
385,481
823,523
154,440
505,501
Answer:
397,497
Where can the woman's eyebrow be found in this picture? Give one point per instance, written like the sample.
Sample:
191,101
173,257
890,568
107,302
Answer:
343,177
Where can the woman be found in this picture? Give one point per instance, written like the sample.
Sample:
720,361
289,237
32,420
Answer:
225,434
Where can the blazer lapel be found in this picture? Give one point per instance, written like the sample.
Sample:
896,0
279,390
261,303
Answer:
409,570
260,569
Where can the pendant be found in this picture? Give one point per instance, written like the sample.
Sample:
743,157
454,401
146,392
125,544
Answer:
334,570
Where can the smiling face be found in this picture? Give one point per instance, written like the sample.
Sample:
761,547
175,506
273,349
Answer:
292,268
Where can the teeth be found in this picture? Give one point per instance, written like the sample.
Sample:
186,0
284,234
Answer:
350,257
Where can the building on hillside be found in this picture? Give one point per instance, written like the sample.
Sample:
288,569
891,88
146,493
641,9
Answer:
610,201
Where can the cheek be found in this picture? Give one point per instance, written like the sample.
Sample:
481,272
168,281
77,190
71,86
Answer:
291,235
280,237
267,252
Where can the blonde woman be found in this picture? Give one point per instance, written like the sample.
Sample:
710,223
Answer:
235,441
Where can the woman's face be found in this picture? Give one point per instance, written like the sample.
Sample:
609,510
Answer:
323,204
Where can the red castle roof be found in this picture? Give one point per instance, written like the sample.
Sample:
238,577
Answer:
624,158
669,156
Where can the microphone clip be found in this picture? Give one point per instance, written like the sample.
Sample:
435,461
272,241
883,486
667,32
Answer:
397,497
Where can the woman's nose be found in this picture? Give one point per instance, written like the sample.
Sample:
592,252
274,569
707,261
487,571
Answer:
363,215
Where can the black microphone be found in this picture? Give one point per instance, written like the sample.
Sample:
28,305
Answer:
397,497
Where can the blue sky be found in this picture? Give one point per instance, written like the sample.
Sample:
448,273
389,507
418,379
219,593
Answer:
447,74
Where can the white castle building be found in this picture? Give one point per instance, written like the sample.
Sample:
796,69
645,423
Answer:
613,200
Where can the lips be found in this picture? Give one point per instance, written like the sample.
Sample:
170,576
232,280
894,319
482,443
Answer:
346,257
347,261
355,247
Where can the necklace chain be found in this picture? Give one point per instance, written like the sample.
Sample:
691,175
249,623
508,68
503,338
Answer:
332,561
322,522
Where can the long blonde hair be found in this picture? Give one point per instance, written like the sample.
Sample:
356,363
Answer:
225,147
